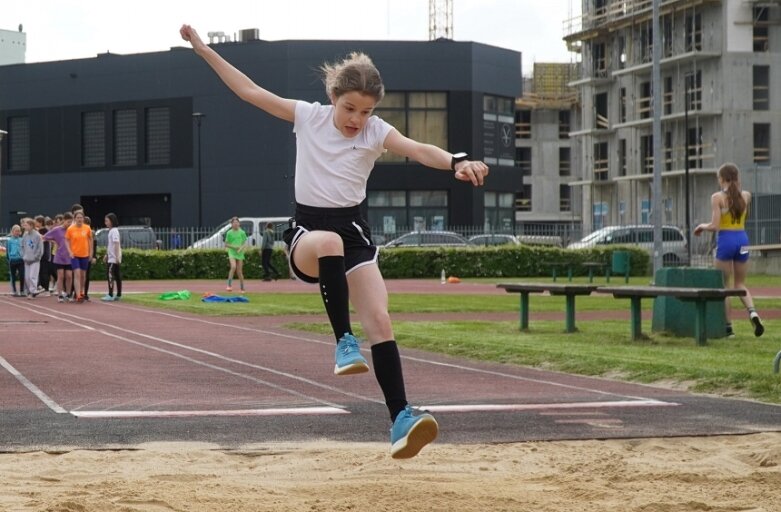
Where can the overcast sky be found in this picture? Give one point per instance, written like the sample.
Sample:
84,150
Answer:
71,29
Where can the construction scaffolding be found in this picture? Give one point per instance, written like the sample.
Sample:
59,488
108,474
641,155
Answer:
548,88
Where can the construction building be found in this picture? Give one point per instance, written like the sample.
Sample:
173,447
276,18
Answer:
719,62
13,46
544,117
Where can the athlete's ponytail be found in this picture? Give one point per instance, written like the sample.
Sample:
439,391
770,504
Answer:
737,205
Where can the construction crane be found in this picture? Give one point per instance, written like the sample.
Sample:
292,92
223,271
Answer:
440,19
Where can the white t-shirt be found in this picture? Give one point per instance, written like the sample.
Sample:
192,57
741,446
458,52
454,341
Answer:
113,250
331,169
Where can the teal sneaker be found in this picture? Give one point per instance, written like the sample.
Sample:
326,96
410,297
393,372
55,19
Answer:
107,298
410,433
348,357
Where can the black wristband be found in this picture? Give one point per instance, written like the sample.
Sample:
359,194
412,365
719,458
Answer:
457,157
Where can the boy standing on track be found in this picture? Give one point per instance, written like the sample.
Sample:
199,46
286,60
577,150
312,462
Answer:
337,146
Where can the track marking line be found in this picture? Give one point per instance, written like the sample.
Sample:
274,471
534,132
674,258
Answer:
186,358
43,397
277,411
410,358
545,407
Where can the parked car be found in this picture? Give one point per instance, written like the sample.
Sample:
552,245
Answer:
3,242
429,239
253,226
131,237
493,239
674,246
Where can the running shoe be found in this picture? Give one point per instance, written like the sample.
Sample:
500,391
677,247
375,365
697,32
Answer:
117,298
759,329
348,356
410,433
107,298
60,299
228,288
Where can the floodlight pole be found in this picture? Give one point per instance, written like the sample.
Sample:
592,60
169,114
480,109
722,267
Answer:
198,116
3,133
657,136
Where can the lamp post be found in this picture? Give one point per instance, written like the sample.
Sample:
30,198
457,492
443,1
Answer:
3,133
686,175
198,116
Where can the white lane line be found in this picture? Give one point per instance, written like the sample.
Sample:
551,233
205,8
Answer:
279,411
545,407
208,353
43,397
186,358
409,358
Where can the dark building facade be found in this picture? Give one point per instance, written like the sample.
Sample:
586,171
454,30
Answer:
117,133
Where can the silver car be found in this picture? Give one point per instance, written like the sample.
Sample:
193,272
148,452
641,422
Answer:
674,246
429,239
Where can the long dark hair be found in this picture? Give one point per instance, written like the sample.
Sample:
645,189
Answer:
112,218
729,174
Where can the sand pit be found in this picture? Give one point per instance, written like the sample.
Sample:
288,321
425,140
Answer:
716,474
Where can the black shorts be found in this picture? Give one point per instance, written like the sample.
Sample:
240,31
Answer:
345,222
66,267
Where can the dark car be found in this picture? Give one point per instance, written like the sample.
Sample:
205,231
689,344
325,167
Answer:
429,239
130,237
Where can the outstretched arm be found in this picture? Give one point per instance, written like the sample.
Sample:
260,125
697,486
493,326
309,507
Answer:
238,82
432,156
715,220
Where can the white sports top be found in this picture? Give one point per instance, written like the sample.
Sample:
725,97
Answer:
331,169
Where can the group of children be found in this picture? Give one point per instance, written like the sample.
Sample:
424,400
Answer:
46,253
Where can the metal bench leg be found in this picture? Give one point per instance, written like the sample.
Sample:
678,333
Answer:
571,313
524,311
554,274
569,273
777,362
590,275
636,320
700,329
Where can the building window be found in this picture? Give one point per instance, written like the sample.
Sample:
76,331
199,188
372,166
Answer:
622,105
599,58
419,115
564,124
601,119
564,162
621,42
125,137
644,105
646,42
428,209
387,212
694,90
600,161
600,211
761,87
761,29
93,139
646,154
19,148
158,136
668,151
622,157
667,36
667,100
523,124
499,211
523,160
523,202
695,147
565,198
761,143
693,32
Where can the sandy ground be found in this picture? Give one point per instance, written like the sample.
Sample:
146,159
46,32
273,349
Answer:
716,474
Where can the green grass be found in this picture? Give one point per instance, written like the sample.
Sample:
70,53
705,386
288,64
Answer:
741,366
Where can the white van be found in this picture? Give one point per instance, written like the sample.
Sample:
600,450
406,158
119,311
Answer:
253,226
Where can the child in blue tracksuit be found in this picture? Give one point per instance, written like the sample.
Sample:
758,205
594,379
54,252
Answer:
15,262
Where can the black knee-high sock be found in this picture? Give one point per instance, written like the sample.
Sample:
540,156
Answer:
387,369
333,289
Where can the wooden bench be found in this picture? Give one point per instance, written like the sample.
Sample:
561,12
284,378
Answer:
700,297
555,265
570,291
764,250
597,265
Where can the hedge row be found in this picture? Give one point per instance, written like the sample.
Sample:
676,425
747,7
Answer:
516,261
